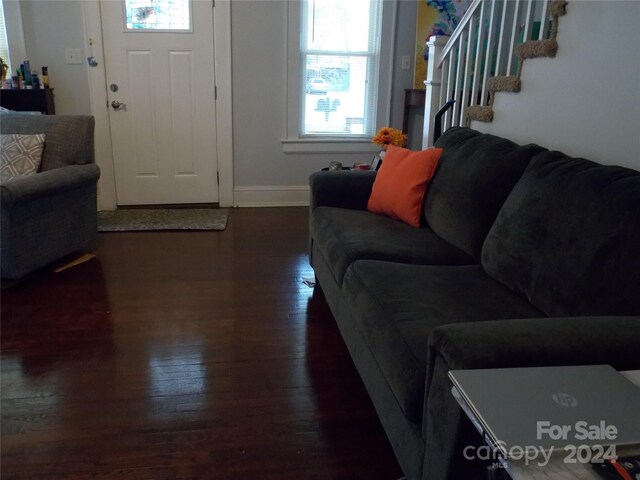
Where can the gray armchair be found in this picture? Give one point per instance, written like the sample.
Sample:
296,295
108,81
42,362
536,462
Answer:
52,213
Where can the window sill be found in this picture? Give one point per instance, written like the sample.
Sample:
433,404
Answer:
328,145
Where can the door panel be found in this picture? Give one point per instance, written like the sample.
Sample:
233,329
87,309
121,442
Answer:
164,138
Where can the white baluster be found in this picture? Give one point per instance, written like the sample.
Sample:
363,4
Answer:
528,21
544,20
443,80
479,53
489,52
515,31
459,80
468,66
453,55
504,37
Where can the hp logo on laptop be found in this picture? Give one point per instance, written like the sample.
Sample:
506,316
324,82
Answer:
565,400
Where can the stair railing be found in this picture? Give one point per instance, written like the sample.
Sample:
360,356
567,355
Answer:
482,46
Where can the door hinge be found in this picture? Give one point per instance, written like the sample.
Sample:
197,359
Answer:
213,3
218,176
215,92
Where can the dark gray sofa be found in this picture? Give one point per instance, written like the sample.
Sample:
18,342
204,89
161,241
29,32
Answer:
526,258
52,213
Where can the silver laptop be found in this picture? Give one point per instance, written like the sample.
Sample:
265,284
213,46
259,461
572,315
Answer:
550,408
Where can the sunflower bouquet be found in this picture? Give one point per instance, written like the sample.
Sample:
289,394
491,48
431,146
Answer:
390,136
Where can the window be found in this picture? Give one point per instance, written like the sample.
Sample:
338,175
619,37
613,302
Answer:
339,68
4,43
339,45
158,15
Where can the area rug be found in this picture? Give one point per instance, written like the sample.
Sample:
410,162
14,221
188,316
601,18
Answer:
139,220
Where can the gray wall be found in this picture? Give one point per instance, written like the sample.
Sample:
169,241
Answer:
403,79
259,77
259,74
49,28
586,101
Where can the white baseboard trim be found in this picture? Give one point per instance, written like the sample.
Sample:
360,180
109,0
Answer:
271,196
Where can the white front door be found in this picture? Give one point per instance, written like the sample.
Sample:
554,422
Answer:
159,59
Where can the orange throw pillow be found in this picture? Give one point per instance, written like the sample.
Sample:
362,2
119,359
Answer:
401,183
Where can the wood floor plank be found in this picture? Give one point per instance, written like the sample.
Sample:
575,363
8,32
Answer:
184,355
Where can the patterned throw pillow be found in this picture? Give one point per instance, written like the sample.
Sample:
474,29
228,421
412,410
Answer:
20,154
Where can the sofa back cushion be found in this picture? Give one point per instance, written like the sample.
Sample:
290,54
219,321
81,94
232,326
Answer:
568,236
69,138
475,174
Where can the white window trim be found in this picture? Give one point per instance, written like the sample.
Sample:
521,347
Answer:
294,143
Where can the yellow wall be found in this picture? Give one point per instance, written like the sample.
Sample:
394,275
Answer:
426,17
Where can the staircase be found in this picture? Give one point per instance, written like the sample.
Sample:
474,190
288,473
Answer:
485,55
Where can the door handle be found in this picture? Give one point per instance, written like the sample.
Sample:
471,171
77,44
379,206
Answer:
118,105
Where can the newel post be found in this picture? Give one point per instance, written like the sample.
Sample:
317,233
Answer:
432,95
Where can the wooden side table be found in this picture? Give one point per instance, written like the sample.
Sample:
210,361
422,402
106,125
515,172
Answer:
412,98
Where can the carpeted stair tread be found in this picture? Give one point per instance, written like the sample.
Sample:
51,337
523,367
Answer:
537,49
509,83
481,113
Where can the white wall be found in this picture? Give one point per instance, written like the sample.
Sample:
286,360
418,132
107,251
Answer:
586,101
49,28
259,47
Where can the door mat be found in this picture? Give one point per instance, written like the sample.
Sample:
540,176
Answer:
139,220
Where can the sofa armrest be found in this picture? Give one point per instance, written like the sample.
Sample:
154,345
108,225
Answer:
42,184
345,189
539,342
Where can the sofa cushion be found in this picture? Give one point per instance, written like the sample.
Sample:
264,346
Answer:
567,237
345,235
475,174
395,307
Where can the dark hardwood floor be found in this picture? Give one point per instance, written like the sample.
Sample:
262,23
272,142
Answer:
185,355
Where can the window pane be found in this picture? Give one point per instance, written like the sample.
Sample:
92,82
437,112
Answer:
339,25
158,14
336,97
4,43
340,46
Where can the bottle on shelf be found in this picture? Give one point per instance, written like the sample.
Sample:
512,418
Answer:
20,78
45,77
26,69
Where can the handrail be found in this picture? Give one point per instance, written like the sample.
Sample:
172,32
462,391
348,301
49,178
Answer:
437,127
459,29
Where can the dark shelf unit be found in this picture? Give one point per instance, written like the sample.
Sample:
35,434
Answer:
40,100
